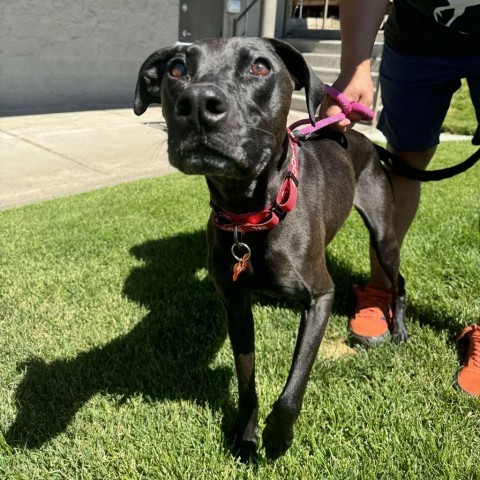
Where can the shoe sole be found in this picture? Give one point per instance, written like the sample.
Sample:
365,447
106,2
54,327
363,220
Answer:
457,386
368,341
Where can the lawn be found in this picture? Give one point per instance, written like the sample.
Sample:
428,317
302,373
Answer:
115,362
461,115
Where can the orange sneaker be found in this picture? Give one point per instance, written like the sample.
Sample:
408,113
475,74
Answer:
373,315
467,378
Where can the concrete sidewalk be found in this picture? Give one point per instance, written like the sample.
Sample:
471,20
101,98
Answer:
52,155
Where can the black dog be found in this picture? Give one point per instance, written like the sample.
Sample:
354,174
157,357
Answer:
226,103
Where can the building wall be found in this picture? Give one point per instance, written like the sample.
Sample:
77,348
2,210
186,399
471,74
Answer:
71,54
248,26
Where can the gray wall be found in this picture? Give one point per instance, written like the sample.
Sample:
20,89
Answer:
70,54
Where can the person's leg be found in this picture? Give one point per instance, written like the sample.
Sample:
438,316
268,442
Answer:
407,192
416,94
372,320
473,80
407,199
467,379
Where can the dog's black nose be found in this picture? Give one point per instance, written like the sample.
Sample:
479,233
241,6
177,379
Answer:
201,106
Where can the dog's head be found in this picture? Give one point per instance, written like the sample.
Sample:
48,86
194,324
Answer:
226,101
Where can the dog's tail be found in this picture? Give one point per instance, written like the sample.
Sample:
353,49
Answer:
400,167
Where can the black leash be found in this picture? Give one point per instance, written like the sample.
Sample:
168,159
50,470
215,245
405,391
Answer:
400,167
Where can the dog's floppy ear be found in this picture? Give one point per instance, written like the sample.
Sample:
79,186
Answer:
302,74
150,78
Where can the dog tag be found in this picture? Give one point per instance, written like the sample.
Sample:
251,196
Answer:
240,266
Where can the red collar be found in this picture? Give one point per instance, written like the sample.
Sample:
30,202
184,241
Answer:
265,219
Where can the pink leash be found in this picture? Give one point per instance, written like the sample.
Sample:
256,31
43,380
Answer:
347,108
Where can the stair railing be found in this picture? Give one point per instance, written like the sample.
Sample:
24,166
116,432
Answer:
237,20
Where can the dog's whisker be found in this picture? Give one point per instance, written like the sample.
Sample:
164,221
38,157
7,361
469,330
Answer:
158,151
258,129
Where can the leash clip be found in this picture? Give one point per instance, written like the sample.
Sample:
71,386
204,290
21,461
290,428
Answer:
242,261
297,136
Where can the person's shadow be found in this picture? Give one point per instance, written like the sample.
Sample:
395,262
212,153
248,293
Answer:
166,356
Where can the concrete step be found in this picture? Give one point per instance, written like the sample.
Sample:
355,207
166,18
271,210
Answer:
332,60
298,102
305,45
329,75
313,34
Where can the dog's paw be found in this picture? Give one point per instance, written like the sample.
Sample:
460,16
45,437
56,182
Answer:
400,335
245,442
277,437
245,450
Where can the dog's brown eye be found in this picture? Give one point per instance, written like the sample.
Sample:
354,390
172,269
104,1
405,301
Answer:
178,70
259,69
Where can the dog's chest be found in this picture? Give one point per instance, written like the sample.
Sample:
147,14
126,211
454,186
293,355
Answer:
280,268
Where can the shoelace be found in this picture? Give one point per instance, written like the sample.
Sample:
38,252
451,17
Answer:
370,298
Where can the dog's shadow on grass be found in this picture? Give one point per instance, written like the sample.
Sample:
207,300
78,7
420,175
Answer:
165,356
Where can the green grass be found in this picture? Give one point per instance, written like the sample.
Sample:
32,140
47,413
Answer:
115,363
461,114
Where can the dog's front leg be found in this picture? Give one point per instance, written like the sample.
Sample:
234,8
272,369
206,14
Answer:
400,333
242,337
278,433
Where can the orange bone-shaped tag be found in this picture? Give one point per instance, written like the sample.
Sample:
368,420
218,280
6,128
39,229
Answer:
240,266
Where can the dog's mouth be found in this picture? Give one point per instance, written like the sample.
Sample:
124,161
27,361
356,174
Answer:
203,160
204,156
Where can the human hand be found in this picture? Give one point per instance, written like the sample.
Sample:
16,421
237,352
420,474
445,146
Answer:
357,88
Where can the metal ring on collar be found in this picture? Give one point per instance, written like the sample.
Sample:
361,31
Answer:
241,245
